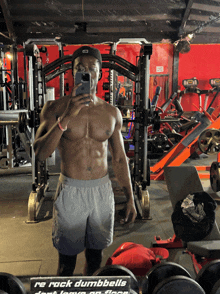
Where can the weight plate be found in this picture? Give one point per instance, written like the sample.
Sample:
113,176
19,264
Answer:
22,122
209,275
163,271
159,141
215,176
145,203
139,192
118,270
209,141
138,206
11,284
33,202
216,136
176,126
178,284
216,288
31,50
144,285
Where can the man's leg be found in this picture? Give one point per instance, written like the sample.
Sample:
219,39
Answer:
93,261
66,265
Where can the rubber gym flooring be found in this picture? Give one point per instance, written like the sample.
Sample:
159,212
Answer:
26,249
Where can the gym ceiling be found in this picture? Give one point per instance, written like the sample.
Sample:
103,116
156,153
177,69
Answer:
101,21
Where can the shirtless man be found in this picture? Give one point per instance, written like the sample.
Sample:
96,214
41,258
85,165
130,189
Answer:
84,201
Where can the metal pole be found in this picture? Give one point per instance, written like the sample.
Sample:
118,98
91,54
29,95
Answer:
7,128
3,81
10,149
147,79
175,71
112,78
25,96
62,75
15,69
31,93
137,128
13,96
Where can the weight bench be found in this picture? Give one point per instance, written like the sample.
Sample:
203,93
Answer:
181,181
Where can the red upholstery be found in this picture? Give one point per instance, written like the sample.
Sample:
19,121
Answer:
137,258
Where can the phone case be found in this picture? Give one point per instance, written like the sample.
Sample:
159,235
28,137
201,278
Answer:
84,78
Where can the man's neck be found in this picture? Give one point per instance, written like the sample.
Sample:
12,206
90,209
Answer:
95,99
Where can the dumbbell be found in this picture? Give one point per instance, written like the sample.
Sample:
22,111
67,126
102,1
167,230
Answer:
11,284
216,288
170,277
178,285
119,270
209,277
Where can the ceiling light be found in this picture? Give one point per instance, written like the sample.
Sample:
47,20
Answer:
8,55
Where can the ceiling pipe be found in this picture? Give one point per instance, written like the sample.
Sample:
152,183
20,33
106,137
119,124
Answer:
8,19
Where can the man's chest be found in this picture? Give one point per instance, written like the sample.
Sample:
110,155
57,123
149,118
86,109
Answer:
98,126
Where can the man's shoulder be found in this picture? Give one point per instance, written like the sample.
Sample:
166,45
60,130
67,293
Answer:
115,112
54,106
109,107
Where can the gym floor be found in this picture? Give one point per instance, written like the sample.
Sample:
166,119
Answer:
27,250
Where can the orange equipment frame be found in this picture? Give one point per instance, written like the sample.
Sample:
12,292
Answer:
186,147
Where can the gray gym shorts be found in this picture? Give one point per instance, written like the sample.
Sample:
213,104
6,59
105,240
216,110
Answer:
83,215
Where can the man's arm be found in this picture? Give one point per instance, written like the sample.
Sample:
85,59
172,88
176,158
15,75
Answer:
48,134
120,166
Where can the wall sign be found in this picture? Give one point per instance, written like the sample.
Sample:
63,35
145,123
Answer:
81,285
159,69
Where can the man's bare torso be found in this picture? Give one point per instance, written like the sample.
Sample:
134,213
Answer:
83,147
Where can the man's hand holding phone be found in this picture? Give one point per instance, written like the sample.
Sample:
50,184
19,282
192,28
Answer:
84,80
80,97
76,103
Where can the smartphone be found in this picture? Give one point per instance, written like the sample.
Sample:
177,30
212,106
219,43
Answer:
83,78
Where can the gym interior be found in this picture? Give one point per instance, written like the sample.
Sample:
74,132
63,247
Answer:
160,67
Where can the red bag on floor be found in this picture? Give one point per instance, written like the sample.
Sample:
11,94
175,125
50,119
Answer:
137,258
